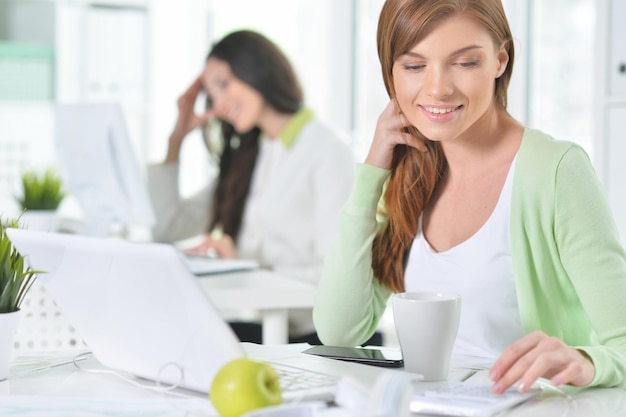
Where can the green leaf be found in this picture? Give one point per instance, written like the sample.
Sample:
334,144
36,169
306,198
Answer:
15,277
41,192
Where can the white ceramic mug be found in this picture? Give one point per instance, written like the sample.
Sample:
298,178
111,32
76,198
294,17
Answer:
426,324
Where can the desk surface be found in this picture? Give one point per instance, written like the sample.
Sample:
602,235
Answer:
256,289
269,293
48,384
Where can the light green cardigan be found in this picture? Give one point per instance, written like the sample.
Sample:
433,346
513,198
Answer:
569,264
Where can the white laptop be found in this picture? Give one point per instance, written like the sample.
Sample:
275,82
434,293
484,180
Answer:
140,310
136,305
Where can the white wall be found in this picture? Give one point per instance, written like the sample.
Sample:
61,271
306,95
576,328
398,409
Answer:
178,42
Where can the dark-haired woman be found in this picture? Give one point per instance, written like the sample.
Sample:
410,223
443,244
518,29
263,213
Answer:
283,174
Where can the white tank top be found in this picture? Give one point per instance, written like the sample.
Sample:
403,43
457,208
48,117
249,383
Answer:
480,269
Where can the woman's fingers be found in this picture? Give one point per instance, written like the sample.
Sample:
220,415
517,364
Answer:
222,246
225,247
187,118
391,130
535,356
202,248
409,139
187,100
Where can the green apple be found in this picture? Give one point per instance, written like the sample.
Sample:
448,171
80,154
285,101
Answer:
243,385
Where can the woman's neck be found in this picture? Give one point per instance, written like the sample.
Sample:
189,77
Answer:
486,140
272,122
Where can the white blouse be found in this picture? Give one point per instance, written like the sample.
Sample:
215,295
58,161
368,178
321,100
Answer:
292,211
480,269
251,234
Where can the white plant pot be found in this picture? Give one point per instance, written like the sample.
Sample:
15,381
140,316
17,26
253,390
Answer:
8,327
39,220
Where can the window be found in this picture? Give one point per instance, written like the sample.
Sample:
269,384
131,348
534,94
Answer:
561,84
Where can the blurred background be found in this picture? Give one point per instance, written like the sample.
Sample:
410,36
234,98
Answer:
144,53
569,78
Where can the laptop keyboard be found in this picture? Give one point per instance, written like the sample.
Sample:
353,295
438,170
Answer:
301,380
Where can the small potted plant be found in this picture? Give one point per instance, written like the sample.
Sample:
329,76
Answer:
42,194
15,280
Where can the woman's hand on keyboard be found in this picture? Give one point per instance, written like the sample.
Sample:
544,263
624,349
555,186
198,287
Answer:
538,355
221,246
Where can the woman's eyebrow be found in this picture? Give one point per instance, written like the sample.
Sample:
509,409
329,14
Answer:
457,52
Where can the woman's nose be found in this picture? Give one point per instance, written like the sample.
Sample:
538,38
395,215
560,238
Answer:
218,104
438,83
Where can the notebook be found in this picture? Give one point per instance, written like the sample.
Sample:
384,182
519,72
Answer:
140,310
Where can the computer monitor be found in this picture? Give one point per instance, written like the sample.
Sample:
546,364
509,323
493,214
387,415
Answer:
98,166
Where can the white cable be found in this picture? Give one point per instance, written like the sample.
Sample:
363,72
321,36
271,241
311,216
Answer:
545,386
158,388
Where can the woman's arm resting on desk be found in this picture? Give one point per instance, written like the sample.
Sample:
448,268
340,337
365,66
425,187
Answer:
350,301
176,218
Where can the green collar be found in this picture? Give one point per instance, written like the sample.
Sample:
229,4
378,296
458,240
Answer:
290,132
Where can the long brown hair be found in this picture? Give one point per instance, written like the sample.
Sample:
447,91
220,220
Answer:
415,174
258,62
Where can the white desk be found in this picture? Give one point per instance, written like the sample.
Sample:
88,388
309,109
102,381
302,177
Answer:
272,294
65,390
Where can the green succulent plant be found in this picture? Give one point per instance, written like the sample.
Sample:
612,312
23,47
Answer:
41,191
15,277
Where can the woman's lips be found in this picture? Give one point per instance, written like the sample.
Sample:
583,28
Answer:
440,113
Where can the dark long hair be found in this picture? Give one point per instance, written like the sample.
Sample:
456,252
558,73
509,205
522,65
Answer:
258,62
414,174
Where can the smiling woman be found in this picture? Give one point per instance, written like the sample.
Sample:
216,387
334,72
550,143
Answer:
425,76
457,196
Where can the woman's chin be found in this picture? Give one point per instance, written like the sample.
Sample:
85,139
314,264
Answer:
242,129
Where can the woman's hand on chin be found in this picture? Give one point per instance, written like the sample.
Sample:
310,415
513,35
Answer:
390,131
